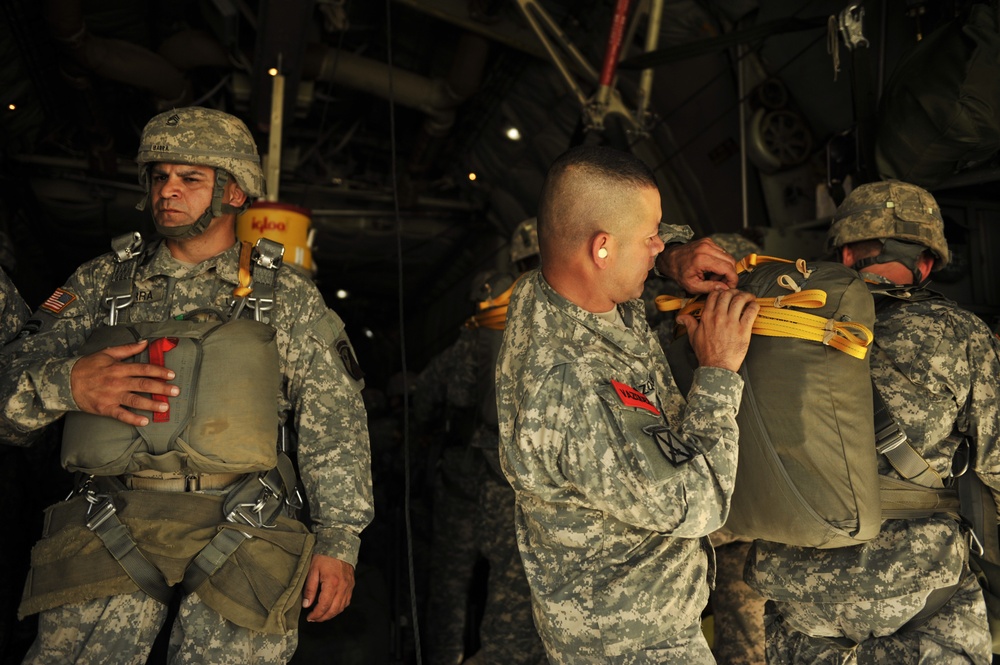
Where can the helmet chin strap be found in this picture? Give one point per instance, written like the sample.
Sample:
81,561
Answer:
893,250
216,209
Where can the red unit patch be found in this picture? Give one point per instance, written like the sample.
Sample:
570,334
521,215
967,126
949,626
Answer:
632,397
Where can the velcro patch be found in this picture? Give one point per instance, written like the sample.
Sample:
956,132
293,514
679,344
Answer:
670,444
58,301
632,397
350,362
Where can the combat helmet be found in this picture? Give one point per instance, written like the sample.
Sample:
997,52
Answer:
891,211
524,242
202,137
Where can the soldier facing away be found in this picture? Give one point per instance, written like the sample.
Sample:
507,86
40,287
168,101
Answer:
907,595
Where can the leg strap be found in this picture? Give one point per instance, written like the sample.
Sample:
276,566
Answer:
119,541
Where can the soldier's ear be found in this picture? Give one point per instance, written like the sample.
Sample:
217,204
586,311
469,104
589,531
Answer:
235,194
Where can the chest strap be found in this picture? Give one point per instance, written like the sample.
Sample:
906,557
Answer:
257,275
129,250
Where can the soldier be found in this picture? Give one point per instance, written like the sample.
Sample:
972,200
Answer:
178,365
618,481
13,311
507,632
907,595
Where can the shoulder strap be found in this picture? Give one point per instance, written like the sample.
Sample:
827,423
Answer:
129,250
259,266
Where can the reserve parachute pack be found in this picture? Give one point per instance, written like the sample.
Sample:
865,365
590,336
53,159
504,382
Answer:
808,457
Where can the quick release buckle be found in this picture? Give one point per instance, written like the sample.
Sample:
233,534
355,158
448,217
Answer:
105,509
252,514
889,438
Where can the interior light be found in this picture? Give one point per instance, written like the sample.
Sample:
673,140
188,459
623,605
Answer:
513,133
341,293
12,106
472,176
273,71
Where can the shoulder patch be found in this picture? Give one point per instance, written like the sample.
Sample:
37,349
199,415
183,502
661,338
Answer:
58,301
670,444
632,397
350,362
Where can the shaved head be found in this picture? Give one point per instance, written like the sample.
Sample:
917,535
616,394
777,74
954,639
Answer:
585,191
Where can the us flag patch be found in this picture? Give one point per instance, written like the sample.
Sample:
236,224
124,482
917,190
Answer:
58,301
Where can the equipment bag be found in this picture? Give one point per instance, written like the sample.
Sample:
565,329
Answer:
808,459
808,471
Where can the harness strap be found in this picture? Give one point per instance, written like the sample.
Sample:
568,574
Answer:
128,249
891,441
123,548
256,287
256,501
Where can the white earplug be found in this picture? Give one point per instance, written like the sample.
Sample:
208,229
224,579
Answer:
602,253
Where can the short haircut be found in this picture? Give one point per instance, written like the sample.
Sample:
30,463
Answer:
583,189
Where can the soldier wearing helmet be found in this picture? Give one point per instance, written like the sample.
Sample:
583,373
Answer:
183,368
935,365
524,245
897,222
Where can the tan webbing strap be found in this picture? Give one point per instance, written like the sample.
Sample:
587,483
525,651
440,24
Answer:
904,499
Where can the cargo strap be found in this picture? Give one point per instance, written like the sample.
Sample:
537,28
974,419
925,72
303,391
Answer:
493,312
256,287
775,319
128,249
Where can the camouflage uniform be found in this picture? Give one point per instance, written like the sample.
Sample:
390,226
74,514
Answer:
507,632
936,367
613,501
447,379
737,610
13,311
319,394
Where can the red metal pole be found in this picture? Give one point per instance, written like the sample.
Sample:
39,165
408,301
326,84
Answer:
614,42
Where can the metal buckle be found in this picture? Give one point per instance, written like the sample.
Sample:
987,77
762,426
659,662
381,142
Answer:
974,544
889,439
851,23
116,304
251,514
105,509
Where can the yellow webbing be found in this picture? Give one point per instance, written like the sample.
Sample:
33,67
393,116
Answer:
776,320
243,289
493,312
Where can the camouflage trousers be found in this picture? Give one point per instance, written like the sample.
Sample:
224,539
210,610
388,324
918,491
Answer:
121,630
687,647
738,610
454,555
957,634
507,634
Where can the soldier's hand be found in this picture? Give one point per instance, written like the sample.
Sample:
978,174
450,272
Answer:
722,337
699,267
333,579
103,384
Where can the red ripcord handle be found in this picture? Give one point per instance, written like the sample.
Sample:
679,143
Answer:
158,349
